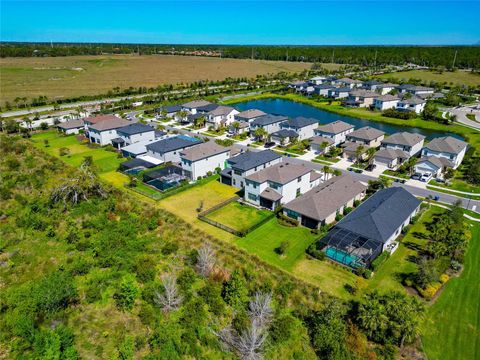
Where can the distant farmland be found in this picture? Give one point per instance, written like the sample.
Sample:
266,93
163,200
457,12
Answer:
458,77
63,77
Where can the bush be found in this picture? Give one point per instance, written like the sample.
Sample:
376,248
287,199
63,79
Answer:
356,203
347,210
380,260
126,293
430,290
64,151
285,220
43,126
313,251
456,265
444,278
405,115
338,217
169,248
282,249
406,229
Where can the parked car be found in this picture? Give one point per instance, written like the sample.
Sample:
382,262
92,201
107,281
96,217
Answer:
370,167
269,144
416,176
426,177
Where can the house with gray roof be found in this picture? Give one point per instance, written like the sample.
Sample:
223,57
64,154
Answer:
105,131
414,89
247,163
361,98
279,184
339,92
320,144
221,116
372,85
270,123
168,150
390,158
303,126
206,108
414,103
384,89
323,89
135,132
71,126
203,159
168,111
371,228
337,131
446,147
384,102
284,136
411,143
318,80
192,106
350,83
367,136
321,204
249,115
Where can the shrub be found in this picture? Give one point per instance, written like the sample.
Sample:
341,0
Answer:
430,290
169,248
127,292
285,220
406,229
444,278
313,251
282,249
455,265
43,126
347,210
338,217
356,203
64,151
380,260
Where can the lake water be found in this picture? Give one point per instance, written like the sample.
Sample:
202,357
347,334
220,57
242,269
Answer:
294,109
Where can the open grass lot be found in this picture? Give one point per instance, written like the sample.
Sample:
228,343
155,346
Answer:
457,184
104,161
64,77
238,216
458,77
452,327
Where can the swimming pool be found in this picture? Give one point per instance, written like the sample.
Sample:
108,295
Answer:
342,257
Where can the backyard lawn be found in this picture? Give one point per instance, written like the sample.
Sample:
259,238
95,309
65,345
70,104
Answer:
452,327
238,216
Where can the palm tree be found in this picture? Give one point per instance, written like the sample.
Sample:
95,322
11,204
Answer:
182,115
326,170
359,152
236,126
323,146
370,153
260,133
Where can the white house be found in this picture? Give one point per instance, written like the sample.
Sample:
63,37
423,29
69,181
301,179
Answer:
270,123
350,83
386,88
200,160
92,120
390,158
384,102
448,148
339,93
221,116
372,85
412,104
192,106
168,111
337,131
432,165
247,163
71,127
298,85
318,80
361,98
105,131
368,136
322,90
168,150
279,184
303,126
136,132
321,144
414,90
411,143
283,136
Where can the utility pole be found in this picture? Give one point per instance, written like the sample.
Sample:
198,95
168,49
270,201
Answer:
454,59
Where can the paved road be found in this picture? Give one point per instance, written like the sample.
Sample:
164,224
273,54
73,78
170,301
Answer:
461,113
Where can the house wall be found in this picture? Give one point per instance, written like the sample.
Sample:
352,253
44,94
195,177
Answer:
270,128
317,148
372,143
386,90
384,105
238,180
172,156
201,167
337,138
149,135
390,163
102,137
454,158
70,131
418,108
411,150
398,231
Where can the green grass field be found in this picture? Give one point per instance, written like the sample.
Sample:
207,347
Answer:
452,328
458,77
238,216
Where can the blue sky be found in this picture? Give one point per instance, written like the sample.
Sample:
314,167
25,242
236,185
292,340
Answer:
243,22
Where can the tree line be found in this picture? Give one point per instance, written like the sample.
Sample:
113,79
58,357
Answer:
447,56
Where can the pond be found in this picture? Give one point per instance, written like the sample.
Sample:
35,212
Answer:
294,109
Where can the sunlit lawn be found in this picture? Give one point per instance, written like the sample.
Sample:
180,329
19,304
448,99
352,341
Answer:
238,216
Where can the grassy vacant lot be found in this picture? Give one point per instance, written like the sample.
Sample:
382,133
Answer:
458,77
452,327
238,216
63,77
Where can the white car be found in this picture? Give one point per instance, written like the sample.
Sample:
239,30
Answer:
426,177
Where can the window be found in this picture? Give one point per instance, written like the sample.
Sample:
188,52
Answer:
292,214
252,197
237,172
299,179
298,192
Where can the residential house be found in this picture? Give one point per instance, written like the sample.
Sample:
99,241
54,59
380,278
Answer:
446,147
168,150
361,98
390,158
270,123
192,106
168,111
246,163
279,184
105,131
321,144
71,127
349,83
384,102
249,115
411,143
339,93
371,228
92,120
299,85
372,85
303,126
414,90
411,104
322,90
386,88
284,136
207,108
337,131
318,80
321,204
203,159
138,148
221,116
432,165
133,133
241,128
368,136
